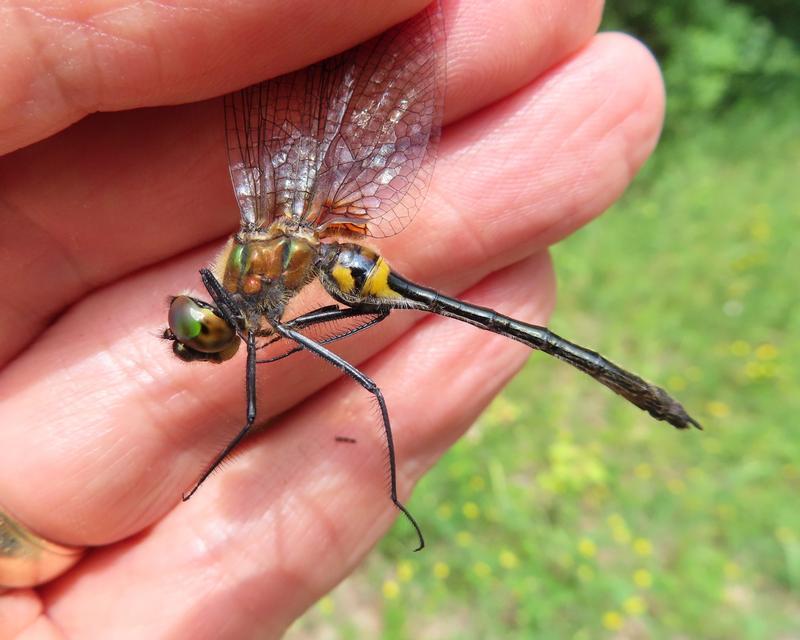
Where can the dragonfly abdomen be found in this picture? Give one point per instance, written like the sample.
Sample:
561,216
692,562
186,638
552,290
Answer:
649,397
356,274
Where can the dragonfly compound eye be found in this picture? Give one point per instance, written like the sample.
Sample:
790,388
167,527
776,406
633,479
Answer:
199,331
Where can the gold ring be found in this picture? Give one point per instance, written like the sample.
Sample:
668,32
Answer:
27,560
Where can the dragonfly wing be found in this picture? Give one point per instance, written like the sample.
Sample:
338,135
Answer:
347,143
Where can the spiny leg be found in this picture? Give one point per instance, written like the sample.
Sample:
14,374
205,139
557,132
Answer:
250,380
372,388
220,297
332,313
329,314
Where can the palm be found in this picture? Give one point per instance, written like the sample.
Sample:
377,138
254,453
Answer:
119,210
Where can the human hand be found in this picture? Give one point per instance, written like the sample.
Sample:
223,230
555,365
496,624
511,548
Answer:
103,429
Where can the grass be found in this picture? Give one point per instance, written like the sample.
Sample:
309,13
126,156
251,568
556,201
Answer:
565,513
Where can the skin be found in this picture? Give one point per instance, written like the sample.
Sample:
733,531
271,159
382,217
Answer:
103,429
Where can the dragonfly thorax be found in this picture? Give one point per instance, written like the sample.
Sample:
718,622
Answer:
268,266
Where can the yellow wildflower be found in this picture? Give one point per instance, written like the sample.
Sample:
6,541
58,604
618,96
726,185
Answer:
405,571
766,351
471,510
390,589
325,605
760,231
508,559
642,578
676,485
615,520
481,569
718,409
642,547
441,570
732,570
643,471
740,348
676,383
463,538
634,605
612,620
587,548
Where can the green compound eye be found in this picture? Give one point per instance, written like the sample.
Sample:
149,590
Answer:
197,325
185,318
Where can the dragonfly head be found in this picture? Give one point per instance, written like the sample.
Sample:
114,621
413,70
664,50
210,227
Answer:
199,332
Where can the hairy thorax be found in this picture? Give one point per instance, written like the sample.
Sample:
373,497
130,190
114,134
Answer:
265,269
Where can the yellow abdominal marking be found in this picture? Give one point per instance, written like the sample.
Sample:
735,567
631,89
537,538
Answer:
377,284
344,279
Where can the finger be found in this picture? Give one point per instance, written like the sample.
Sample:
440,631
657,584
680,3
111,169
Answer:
494,48
120,191
66,59
300,512
19,610
127,426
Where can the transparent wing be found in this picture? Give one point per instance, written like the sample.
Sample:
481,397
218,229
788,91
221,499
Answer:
347,143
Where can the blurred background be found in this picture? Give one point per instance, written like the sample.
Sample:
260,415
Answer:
565,513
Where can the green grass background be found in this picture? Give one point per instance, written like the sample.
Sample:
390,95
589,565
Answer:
565,512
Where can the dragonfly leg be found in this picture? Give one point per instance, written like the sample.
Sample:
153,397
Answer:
330,314
250,378
367,383
333,313
220,297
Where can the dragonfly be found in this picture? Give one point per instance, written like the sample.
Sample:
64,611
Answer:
321,159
